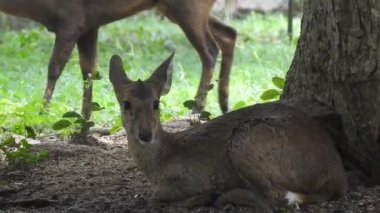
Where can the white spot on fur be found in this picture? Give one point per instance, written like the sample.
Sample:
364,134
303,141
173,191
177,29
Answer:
293,199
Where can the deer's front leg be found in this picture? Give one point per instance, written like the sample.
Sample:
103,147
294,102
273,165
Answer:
63,46
183,193
169,197
244,197
197,200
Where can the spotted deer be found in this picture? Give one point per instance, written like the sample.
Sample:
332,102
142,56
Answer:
77,22
261,155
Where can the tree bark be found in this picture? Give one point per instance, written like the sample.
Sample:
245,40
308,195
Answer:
337,64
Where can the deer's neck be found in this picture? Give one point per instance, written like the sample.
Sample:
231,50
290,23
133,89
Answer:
150,157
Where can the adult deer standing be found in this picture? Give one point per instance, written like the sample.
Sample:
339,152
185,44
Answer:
76,22
258,155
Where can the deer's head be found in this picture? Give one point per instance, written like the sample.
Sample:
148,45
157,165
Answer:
139,100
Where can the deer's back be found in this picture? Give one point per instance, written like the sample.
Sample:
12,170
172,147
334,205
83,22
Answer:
86,14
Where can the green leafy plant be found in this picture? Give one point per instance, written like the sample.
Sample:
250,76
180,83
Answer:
72,123
196,118
97,76
239,105
271,94
20,154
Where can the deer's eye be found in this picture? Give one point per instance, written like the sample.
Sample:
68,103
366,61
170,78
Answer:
156,104
127,105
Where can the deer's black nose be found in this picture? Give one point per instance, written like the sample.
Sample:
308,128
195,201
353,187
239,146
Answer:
145,135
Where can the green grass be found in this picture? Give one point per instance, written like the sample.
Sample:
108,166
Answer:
263,50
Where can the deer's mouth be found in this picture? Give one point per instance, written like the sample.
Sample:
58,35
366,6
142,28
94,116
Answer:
145,137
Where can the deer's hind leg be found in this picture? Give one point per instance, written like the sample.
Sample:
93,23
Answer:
87,55
193,18
225,36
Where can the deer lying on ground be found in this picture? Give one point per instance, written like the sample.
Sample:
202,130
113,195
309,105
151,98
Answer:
76,22
258,155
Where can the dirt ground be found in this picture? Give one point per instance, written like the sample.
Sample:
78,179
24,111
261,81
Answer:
104,178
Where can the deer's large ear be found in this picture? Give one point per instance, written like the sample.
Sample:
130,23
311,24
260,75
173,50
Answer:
117,75
161,79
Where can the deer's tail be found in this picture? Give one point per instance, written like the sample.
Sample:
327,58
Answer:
295,198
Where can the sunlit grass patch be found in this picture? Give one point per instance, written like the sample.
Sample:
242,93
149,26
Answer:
262,51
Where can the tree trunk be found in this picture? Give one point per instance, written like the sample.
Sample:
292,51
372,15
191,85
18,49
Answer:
337,64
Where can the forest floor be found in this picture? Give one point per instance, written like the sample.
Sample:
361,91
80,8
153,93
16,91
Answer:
104,178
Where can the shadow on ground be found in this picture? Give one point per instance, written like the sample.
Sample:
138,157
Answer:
104,178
